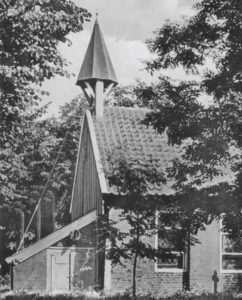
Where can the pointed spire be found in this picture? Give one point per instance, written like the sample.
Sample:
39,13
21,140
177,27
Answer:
97,64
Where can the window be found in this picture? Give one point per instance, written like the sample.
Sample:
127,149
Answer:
173,260
231,254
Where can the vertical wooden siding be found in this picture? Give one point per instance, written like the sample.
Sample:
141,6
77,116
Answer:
86,191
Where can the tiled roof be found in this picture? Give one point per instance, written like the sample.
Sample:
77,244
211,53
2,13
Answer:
122,127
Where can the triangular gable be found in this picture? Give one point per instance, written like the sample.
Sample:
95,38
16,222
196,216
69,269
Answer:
89,181
52,238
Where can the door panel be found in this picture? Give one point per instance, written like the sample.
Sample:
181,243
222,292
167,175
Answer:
70,268
60,267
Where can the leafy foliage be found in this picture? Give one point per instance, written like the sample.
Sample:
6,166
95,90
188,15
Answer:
29,37
30,33
214,32
124,96
208,45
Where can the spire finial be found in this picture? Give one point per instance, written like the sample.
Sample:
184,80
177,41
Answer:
96,16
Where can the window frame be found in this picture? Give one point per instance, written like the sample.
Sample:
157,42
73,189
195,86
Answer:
221,254
167,270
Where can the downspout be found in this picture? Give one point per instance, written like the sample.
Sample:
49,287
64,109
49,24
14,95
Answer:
188,259
11,276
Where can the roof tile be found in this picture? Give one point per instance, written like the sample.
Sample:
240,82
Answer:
122,127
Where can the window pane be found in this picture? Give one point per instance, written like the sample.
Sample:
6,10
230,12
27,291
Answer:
232,262
163,243
231,245
175,261
168,238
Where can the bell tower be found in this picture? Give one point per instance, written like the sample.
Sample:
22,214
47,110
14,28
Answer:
97,76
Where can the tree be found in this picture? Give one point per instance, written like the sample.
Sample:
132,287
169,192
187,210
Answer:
209,46
42,141
131,179
123,96
29,37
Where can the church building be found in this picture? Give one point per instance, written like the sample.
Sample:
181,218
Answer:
68,259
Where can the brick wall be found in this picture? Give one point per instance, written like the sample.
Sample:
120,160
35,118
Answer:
31,274
231,282
205,259
148,281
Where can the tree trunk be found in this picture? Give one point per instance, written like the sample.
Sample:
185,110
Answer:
134,273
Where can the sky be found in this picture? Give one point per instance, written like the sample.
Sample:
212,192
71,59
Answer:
126,25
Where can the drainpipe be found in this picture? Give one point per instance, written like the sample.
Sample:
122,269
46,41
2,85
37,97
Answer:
11,276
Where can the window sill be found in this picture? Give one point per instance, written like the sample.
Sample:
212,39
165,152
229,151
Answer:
230,271
168,270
